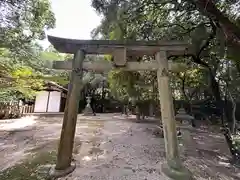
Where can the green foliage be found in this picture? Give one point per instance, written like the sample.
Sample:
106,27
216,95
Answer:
236,141
189,83
19,79
24,21
119,84
167,20
23,64
29,169
25,82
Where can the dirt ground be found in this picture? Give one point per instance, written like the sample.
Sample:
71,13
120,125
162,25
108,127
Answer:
111,147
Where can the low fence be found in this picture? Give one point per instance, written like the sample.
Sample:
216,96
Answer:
14,110
26,109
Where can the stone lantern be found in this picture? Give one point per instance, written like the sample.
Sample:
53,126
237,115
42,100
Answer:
88,110
183,117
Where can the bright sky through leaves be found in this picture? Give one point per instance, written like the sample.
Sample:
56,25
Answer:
74,19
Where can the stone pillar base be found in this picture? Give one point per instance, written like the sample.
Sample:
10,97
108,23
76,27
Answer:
181,173
53,173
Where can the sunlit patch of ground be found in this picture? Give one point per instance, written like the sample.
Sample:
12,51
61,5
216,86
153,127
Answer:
17,124
111,146
30,168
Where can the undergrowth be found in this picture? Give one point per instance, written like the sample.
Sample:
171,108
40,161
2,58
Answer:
29,169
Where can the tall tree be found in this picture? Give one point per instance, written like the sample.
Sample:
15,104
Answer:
21,24
227,21
174,20
23,21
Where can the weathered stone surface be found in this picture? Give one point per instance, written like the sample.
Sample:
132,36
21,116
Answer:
65,148
65,45
53,173
105,66
174,168
88,111
180,173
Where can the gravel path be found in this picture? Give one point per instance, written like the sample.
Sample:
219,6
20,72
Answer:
108,148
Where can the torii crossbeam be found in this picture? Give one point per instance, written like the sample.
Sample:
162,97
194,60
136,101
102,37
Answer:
121,51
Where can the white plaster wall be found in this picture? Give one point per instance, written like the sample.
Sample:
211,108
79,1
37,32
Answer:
41,101
54,101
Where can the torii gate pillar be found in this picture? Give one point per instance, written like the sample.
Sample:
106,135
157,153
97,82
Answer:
64,158
173,168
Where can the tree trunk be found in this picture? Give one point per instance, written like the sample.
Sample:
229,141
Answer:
183,87
233,113
103,98
137,111
126,111
151,109
214,86
232,31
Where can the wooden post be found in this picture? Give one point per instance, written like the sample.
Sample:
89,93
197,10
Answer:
65,148
173,168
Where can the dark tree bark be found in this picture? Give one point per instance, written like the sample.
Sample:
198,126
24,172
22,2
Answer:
208,8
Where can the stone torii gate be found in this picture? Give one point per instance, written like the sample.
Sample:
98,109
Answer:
120,50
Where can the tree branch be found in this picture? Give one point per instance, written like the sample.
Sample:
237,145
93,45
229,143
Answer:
208,7
210,38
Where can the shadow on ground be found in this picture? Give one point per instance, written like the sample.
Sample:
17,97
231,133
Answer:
107,147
